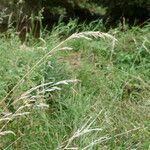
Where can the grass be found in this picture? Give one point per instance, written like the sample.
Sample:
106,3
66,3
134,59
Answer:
108,108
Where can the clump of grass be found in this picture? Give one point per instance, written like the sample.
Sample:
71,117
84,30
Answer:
27,96
107,109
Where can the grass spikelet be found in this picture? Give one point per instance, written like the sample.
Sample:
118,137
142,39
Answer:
2,133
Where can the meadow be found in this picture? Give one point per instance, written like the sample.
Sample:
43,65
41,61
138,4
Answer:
76,88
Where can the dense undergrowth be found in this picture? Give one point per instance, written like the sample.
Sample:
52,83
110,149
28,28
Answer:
109,106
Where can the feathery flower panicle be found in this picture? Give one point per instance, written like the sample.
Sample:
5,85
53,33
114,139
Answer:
91,34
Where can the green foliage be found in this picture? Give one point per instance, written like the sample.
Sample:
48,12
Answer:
114,10
110,103
135,9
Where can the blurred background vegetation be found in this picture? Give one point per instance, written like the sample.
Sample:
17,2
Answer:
38,14
112,11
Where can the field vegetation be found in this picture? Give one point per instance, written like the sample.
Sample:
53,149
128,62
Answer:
87,90
74,75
